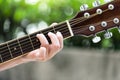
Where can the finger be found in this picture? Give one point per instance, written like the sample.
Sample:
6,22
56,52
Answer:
54,40
43,40
60,38
39,54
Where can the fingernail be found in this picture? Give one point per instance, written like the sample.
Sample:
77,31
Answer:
59,33
49,33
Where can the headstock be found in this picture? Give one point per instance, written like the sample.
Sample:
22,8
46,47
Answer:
100,18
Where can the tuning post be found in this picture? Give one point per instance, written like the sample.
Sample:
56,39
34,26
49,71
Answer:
99,11
84,7
108,35
86,15
96,39
103,23
96,3
110,6
116,20
92,28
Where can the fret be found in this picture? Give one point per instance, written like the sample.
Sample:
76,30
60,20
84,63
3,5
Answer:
69,27
31,42
25,44
35,41
20,46
9,49
54,29
4,52
15,48
63,28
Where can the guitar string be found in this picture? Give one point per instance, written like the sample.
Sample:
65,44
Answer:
24,44
62,29
76,20
83,17
77,32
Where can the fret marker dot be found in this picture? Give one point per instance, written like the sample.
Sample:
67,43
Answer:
15,48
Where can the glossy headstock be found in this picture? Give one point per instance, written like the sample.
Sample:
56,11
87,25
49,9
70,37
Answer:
100,18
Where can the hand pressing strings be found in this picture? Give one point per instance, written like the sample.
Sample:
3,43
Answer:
46,51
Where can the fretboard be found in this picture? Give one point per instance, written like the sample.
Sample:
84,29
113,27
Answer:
17,47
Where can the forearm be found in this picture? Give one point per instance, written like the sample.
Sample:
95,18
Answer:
11,63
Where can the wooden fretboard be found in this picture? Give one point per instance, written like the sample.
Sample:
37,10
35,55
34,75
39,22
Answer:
17,47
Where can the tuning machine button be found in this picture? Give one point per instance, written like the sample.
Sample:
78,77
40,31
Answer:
84,7
96,39
96,3
108,35
107,0
119,29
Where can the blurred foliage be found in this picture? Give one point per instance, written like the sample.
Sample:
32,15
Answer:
16,15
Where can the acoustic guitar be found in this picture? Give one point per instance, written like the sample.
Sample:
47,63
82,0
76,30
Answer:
88,22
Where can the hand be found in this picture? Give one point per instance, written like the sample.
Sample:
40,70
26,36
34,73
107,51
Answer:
46,51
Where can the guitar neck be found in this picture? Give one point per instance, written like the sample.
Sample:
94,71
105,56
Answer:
17,47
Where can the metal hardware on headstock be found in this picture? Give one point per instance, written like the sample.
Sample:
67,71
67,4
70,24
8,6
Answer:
110,6
103,23
107,0
96,39
108,35
119,29
84,7
99,11
86,15
116,20
92,28
96,3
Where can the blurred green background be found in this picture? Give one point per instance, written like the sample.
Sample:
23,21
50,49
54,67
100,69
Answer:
79,59
20,17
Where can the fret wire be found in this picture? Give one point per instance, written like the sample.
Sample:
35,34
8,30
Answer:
9,50
31,42
37,45
49,28
54,29
20,46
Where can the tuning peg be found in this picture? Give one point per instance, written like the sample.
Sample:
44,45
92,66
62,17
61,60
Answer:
119,29
96,3
96,39
107,1
84,7
108,35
